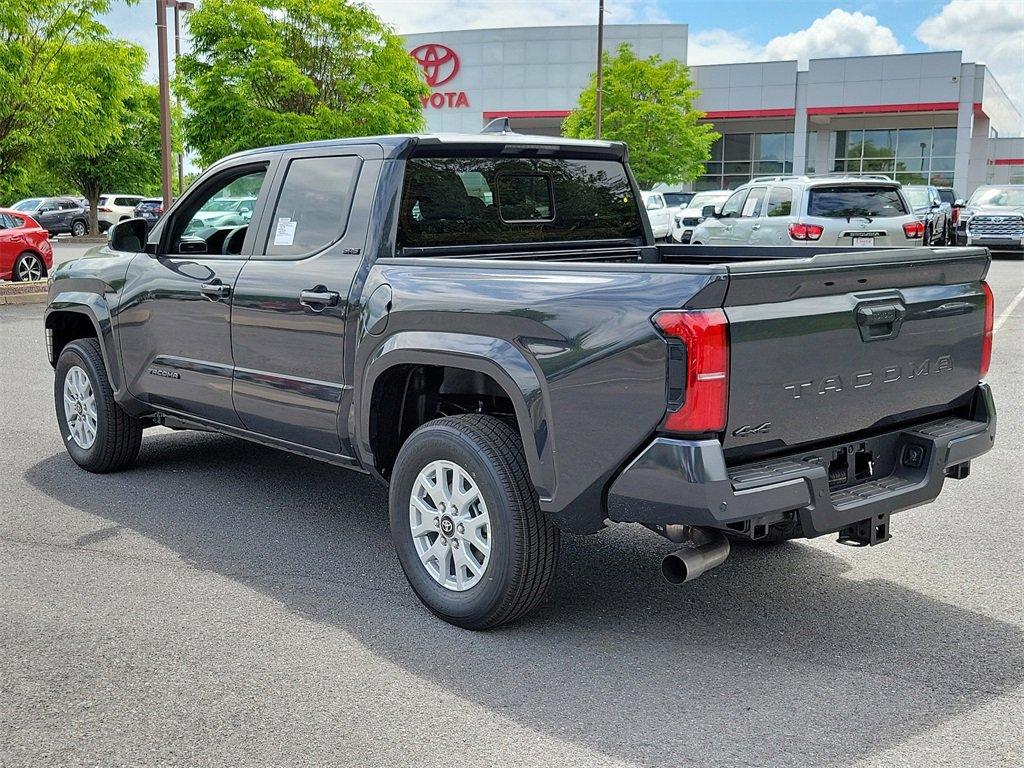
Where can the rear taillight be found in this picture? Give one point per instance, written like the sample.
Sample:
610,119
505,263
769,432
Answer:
104,209
986,342
698,375
956,215
913,229
805,231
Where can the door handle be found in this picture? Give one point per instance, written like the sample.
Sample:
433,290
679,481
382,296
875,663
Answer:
215,289
318,298
756,226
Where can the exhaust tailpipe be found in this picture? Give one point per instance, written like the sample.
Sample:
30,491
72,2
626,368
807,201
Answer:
688,563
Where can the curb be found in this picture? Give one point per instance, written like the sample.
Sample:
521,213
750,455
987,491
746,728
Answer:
23,293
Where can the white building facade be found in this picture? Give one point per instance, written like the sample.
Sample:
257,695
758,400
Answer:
920,117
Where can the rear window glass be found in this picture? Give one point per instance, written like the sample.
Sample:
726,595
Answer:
781,202
453,201
312,210
947,196
845,202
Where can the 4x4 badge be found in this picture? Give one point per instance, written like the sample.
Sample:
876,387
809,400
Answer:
749,429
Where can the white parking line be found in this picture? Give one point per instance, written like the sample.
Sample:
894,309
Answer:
1008,311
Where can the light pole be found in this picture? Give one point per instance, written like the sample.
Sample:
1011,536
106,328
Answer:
165,101
600,67
179,7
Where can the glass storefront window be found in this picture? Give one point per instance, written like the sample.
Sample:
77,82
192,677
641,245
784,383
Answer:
738,157
737,146
914,155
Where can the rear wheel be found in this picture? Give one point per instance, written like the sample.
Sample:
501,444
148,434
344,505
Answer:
78,229
466,524
28,266
98,434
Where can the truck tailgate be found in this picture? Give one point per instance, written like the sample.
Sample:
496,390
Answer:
839,344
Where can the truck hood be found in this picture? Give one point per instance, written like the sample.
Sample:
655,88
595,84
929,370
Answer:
994,210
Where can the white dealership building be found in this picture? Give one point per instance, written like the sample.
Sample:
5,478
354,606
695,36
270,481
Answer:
918,117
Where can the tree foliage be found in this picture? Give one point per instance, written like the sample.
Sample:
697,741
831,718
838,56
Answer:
280,71
129,163
61,81
648,104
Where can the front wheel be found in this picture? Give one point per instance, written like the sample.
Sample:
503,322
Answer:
466,524
98,435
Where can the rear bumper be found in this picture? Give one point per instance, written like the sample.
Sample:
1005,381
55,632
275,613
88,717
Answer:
687,481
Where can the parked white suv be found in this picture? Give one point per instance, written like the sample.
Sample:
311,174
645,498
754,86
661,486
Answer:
659,213
826,210
689,216
115,208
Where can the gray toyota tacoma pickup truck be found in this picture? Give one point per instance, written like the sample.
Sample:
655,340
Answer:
485,324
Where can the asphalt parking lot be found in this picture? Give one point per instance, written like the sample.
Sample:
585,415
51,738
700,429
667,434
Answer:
223,603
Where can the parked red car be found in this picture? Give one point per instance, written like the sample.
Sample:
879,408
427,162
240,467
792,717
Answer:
25,251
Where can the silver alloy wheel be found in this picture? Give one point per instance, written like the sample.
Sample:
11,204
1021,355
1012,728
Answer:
30,268
450,527
79,407
78,229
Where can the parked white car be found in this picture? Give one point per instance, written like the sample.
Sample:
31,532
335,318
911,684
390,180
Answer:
853,211
115,208
685,219
659,214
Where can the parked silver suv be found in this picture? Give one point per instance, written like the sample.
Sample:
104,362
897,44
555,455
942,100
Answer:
825,210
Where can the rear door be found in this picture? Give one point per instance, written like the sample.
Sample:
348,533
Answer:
291,300
174,325
842,343
778,215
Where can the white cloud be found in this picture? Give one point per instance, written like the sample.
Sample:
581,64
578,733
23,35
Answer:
989,32
838,33
443,15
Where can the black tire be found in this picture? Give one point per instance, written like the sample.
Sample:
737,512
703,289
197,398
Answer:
79,228
523,542
24,263
118,434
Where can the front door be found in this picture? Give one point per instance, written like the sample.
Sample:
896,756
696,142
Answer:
749,222
174,321
291,299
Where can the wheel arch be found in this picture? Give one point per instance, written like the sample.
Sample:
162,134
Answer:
71,316
453,354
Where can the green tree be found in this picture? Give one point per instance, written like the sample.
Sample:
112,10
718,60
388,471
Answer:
128,163
648,104
280,71
56,82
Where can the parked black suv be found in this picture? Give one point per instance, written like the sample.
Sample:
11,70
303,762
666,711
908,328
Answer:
485,325
57,215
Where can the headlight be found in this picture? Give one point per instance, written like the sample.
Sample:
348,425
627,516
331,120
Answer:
700,219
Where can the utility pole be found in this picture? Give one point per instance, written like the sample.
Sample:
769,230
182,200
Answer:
600,66
165,100
179,7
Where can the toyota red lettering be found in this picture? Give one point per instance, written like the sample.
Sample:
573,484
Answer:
440,64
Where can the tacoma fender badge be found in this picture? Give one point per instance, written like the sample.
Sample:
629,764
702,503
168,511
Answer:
750,429
165,374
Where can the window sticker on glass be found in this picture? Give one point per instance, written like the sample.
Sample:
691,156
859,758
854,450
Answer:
285,233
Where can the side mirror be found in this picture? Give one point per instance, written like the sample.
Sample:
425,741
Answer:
708,212
128,236
959,203
190,244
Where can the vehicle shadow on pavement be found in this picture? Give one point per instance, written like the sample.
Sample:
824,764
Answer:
776,649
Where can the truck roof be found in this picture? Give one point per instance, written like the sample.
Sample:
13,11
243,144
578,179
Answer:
400,145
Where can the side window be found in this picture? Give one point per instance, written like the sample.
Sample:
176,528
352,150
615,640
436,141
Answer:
211,214
6,222
780,202
312,209
754,203
654,203
734,205
47,207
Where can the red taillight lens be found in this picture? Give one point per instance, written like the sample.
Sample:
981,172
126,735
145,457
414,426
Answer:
103,209
913,229
805,231
956,215
986,342
705,396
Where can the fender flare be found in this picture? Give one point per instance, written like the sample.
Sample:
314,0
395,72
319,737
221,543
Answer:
497,358
94,307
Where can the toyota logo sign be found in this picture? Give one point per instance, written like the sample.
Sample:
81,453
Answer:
440,63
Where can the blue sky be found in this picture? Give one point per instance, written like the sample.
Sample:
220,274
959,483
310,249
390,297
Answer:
721,31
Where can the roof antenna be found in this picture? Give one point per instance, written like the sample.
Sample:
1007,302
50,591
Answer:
498,125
